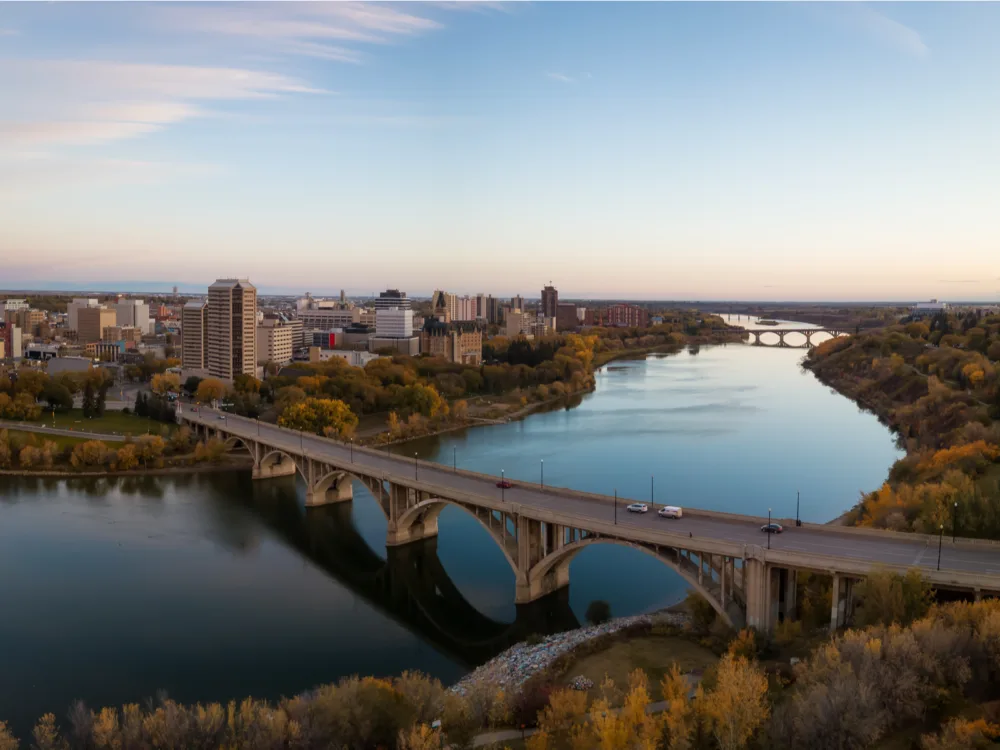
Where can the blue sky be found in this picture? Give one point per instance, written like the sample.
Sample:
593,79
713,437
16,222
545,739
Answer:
635,150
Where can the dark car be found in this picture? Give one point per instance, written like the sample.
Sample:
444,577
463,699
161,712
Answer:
772,528
504,484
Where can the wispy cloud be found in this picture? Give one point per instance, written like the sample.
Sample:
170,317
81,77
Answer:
880,27
561,77
301,28
85,102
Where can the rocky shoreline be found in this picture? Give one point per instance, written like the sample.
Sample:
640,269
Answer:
512,668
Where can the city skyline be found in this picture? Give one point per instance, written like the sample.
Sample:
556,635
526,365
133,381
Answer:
639,151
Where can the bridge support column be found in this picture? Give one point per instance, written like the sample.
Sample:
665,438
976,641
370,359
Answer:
842,601
402,499
340,491
756,582
789,594
282,467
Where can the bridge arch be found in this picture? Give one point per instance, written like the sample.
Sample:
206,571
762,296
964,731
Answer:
339,481
232,441
553,570
422,520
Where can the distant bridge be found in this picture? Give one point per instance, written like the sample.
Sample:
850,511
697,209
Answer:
808,333
540,529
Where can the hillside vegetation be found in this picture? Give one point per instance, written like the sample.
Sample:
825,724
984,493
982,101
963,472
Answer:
936,384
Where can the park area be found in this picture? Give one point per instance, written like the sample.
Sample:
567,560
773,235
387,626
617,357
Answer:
110,423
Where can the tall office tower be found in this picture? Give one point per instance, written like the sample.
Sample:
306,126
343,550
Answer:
194,335
392,298
91,322
232,328
73,309
135,313
550,302
517,303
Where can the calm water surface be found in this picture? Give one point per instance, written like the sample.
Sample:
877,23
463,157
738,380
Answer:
211,586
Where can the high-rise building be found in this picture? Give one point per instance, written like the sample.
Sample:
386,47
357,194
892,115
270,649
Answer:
393,323
465,308
619,314
494,310
481,306
232,328
392,298
325,318
194,335
91,322
135,313
566,318
517,303
550,302
520,323
73,308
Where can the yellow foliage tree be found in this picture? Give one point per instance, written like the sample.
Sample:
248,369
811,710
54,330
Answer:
679,716
127,458
323,416
164,383
737,705
210,389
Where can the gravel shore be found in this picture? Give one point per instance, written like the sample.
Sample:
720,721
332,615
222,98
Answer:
514,666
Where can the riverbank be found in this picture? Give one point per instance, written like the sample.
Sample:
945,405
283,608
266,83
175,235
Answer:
522,661
230,463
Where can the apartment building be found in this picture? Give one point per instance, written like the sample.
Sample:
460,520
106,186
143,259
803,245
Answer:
232,328
276,340
549,307
194,335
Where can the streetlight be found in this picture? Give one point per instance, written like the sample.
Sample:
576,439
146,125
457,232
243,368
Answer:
454,459
616,505
954,522
300,442
797,521
415,465
258,426
542,465
651,503
769,532
940,537
503,485
352,450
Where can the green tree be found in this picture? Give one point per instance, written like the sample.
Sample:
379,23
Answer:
191,384
89,400
57,395
598,611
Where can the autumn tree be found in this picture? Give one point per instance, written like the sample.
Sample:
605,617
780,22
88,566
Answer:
245,383
679,715
738,705
165,383
149,448
886,598
598,611
127,458
963,734
209,390
323,416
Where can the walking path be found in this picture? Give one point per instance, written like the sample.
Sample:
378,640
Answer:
30,427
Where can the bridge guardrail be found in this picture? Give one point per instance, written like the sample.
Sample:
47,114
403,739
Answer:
887,534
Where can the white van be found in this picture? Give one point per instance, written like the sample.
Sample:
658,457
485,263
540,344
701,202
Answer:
670,511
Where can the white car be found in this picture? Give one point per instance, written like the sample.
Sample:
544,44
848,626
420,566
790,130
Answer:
637,508
670,511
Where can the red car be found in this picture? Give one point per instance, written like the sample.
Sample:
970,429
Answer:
504,484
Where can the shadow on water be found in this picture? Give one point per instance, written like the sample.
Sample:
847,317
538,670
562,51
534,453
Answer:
411,586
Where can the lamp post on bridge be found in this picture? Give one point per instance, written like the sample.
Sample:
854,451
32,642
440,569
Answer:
616,505
503,485
258,426
769,532
352,450
541,482
415,465
454,459
954,522
797,521
652,505
940,537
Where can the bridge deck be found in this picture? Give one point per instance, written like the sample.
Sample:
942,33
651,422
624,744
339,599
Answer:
967,564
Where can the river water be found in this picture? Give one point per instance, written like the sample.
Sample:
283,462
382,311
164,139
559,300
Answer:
212,587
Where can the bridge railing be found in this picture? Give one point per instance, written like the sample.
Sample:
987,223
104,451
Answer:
609,500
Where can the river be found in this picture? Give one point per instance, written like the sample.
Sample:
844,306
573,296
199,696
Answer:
211,586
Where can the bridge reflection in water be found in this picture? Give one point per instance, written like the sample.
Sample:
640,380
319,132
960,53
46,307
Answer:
410,586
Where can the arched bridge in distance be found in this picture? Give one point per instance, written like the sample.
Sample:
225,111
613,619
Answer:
540,529
754,336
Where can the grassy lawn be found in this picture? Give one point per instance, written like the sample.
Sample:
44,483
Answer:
59,440
111,422
652,654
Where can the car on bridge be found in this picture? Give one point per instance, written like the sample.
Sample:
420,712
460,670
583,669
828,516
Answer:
637,508
504,484
772,528
670,511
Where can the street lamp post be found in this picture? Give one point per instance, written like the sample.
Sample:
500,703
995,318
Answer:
300,442
797,521
503,485
616,505
541,482
769,532
352,450
651,503
940,537
454,459
954,522
258,426
415,469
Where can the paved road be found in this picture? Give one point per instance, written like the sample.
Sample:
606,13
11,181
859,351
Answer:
32,427
818,541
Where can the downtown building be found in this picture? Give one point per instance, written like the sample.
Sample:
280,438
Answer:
194,336
232,329
460,342
549,306
619,315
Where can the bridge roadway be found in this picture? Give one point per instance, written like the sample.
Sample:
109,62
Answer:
873,548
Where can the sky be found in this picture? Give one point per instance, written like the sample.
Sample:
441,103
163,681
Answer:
814,151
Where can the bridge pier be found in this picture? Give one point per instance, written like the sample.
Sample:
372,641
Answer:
340,492
841,601
281,467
